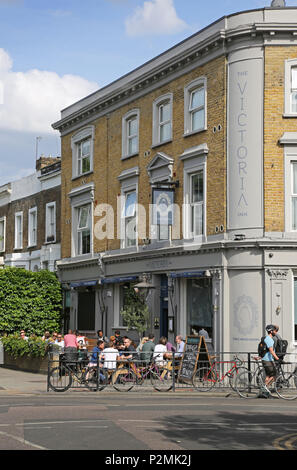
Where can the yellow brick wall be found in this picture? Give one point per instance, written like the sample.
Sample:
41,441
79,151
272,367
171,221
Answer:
274,127
108,150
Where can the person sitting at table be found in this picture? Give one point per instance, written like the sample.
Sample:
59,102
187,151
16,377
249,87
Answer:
110,355
160,351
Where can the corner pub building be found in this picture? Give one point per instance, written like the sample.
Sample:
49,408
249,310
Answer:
211,126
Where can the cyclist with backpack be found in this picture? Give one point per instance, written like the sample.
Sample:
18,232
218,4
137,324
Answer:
281,345
267,353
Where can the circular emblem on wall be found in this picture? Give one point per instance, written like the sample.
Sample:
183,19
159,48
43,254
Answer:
245,315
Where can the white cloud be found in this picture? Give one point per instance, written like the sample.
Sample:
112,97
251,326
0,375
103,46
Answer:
32,100
155,17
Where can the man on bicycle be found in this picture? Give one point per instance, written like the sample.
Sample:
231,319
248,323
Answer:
269,358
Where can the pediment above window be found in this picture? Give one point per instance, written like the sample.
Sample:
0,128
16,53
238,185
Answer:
160,168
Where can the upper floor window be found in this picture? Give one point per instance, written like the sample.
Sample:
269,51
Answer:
162,119
50,222
294,89
84,230
129,219
194,208
196,203
82,151
291,87
294,195
84,156
130,134
2,233
18,230
195,106
32,227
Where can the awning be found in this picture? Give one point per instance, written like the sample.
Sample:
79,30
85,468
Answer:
188,274
114,280
84,283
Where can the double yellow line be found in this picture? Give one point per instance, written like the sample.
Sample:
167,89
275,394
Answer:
286,442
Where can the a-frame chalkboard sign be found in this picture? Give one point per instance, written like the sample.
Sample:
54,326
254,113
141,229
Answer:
195,351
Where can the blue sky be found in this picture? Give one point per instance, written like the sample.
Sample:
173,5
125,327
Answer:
54,53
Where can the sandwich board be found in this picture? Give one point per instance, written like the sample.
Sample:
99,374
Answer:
195,350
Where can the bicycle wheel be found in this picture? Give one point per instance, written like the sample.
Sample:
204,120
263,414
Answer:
92,381
232,376
246,386
123,380
60,379
204,379
260,377
161,379
285,386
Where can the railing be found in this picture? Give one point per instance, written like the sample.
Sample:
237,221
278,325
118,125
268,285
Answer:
174,373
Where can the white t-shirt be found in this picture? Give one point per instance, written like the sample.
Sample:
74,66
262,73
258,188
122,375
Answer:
82,341
159,350
110,358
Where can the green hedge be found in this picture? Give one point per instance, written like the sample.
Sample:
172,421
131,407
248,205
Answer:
29,300
18,347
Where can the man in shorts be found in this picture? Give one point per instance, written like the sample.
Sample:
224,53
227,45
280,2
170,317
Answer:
269,358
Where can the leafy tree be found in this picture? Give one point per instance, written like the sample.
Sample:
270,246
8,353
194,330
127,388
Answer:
29,300
135,312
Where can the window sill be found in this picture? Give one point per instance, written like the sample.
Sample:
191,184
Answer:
83,175
158,144
125,157
290,115
188,134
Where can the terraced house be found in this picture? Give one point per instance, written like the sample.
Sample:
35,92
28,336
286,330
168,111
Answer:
30,218
185,171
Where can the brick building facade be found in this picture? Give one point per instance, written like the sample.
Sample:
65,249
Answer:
208,125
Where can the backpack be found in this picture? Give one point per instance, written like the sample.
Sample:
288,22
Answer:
281,347
262,347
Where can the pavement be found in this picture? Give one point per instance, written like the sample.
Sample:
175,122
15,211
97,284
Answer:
16,382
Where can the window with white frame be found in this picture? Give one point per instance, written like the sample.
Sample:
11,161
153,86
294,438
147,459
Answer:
295,310
129,218
196,203
293,195
84,229
195,106
50,222
291,87
194,208
32,227
18,230
294,89
290,186
84,156
162,119
2,233
130,134
82,144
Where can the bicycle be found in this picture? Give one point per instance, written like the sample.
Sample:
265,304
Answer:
124,379
61,377
250,384
205,378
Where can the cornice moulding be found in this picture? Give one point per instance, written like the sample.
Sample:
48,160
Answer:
211,42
